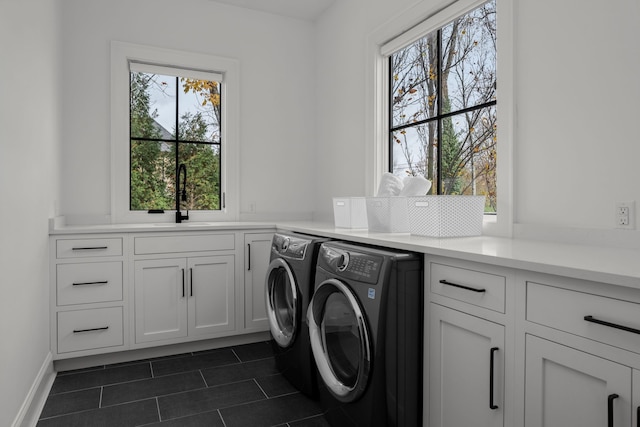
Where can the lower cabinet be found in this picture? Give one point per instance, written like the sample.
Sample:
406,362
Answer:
570,388
466,373
184,297
258,251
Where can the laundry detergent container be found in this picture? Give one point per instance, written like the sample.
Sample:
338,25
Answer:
445,216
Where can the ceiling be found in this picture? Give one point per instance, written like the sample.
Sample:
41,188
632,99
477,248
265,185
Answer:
303,9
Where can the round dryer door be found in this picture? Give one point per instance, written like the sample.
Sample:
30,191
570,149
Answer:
339,340
283,303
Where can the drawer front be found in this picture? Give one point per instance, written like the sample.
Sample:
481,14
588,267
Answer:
81,248
566,310
470,286
182,243
90,329
88,282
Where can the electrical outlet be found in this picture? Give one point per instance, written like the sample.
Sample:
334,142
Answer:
626,215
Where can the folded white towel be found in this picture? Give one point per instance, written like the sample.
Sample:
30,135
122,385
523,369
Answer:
390,185
415,186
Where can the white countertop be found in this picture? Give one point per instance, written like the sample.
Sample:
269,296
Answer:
601,264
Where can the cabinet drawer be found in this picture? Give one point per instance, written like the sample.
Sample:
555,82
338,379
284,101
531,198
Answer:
81,248
470,286
88,282
182,243
566,310
90,329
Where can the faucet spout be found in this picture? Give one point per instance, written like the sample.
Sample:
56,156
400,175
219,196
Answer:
181,193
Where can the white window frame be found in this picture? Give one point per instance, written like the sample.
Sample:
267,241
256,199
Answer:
121,55
405,29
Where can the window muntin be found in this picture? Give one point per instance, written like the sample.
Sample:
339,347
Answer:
442,107
174,119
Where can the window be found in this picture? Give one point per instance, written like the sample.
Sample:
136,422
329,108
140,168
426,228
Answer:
172,108
442,107
175,118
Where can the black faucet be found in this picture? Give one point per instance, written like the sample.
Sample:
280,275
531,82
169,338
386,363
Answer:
181,194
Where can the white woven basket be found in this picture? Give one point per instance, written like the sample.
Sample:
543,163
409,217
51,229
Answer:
445,216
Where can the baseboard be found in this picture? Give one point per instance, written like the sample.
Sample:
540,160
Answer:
37,396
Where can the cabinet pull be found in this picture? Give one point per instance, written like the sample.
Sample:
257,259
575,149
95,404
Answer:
610,399
611,325
191,280
103,282
638,417
248,256
492,404
455,285
90,248
79,331
183,283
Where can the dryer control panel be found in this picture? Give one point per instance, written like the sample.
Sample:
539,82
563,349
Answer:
351,264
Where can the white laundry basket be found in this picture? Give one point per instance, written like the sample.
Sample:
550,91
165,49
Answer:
446,216
387,214
350,212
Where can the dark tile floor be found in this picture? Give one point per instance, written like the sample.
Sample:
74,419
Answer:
229,387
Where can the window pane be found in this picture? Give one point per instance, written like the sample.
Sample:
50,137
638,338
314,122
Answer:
414,82
203,176
469,59
469,155
152,175
199,110
415,152
153,106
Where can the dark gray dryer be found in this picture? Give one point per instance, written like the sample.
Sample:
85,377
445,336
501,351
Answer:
289,287
365,326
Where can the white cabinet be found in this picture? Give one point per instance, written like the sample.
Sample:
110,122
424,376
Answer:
184,297
581,353
467,369
570,388
257,253
466,383
88,288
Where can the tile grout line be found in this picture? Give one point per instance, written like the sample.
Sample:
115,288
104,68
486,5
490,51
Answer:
236,355
220,415
100,402
261,389
158,408
203,378
151,368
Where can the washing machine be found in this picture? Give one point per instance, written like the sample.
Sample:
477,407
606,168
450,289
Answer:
288,287
366,330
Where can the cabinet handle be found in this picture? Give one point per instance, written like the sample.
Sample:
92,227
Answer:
248,256
191,280
78,331
183,283
638,417
90,248
455,285
104,282
611,325
492,404
611,398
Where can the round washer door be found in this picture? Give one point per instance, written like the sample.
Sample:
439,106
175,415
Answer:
339,340
283,303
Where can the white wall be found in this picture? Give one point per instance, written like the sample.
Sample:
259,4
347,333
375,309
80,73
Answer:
29,177
277,94
576,90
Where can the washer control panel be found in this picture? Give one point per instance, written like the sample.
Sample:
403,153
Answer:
353,265
289,246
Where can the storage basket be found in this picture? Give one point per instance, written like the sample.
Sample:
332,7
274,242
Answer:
387,214
350,212
446,216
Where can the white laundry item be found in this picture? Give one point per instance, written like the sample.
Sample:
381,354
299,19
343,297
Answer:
390,185
415,186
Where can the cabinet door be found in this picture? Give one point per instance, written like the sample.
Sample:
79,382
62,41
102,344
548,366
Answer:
466,370
570,388
160,299
211,295
636,399
258,250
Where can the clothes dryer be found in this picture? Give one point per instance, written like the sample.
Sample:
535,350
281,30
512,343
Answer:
289,287
365,326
